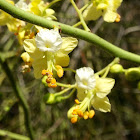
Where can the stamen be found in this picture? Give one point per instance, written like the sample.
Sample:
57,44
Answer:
91,114
60,71
80,113
86,115
118,18
52,84
77,101
74,119
44,72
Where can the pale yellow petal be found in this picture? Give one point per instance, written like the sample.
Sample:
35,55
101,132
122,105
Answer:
109,16
38,66
30,47
101,104
81,94
62,59
104,86
68,44
91,13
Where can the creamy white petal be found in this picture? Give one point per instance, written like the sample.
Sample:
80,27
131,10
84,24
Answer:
85,78
48,40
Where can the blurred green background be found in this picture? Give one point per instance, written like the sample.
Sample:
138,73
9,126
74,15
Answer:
51,122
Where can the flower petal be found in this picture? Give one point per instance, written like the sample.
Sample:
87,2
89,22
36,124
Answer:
81,94
91,13
85,78
68,44
104,86
101,104
30,47
62,59
39,65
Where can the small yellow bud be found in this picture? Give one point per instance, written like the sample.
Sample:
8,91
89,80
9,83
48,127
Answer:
60,71
77,101
91,114
74,119
117,68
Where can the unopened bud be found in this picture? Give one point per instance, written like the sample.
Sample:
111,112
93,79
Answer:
117,68
132,74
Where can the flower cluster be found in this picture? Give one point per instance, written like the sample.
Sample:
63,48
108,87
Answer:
49,52
92,91
105,8
26,30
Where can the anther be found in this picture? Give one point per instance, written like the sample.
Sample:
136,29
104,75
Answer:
77,101
91,114
44,72
118,18
60,71
74,119
80,113
86,115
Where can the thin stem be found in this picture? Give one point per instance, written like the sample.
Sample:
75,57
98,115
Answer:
70,94
65,90
13,135
115,61
69,69
84,7
69,30
77,24
80,16
51,3
20,97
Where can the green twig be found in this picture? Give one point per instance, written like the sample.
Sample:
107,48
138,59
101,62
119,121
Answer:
115,61
66,29
13,135
19,95
80,16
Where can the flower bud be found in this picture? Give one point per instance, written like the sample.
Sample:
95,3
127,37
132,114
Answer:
44,80
51,98
117,68
132,74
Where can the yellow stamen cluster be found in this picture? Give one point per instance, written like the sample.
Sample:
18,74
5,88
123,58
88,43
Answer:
50,80
59,70
118,18
79,113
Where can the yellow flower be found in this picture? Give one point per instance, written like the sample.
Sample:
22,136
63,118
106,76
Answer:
105,8
92,91
12,23
48,50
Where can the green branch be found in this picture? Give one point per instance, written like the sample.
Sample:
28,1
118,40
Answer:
69,30
13,135
19,95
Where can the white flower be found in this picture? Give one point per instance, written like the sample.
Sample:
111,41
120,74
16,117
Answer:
48,40
85,78
22,5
